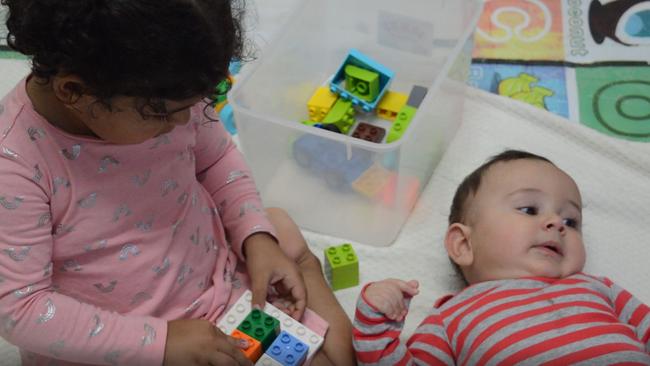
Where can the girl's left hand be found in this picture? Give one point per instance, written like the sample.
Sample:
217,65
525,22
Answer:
267,265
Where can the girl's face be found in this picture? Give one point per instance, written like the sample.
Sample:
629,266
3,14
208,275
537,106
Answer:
126,123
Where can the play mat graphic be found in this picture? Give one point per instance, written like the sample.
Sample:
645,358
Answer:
586,60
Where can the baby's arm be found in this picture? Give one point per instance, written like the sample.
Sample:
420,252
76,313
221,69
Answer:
631,310
379,319
37,318
375,337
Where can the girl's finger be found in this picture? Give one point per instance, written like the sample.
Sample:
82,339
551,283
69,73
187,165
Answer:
259,288
229,353
296,286
238,342
219,359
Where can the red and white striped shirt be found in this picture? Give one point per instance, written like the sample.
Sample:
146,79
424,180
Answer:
580,319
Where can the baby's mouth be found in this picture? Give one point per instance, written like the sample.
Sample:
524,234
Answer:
550,247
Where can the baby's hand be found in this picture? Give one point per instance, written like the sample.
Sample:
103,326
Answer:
388,296
197,342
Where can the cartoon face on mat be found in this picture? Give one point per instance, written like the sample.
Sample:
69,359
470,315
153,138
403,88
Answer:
624,21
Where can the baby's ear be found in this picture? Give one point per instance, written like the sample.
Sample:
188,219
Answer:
457,244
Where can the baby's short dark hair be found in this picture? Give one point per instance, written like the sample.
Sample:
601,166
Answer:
175,49
470,185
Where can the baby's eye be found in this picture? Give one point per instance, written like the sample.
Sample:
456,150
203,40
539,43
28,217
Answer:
571,223
528,210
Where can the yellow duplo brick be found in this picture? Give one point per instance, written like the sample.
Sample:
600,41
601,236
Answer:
320,103
391,104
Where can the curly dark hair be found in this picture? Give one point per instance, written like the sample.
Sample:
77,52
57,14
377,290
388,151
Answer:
150,49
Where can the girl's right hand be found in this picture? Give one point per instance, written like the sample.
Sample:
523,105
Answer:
388,296
194,342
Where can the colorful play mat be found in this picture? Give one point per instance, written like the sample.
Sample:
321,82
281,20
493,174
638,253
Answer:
586,60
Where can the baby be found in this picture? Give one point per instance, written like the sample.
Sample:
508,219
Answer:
515,236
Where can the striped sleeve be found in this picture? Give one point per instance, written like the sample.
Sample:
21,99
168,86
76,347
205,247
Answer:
377,340
630,310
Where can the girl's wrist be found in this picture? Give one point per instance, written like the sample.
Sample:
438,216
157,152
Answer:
257,240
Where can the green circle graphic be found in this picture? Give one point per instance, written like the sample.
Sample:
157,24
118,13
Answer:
630,99
611,106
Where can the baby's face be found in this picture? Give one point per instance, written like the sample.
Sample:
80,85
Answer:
525,221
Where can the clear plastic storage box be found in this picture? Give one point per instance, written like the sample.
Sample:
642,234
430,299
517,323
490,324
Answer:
333,183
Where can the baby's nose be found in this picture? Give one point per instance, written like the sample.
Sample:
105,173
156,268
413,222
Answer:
557,223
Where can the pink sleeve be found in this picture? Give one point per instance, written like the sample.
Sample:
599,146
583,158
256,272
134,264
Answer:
221,168
33,315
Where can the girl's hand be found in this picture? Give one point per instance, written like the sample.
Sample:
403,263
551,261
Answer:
268,266
197,342
388,296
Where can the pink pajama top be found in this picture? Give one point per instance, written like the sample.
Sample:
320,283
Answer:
101,244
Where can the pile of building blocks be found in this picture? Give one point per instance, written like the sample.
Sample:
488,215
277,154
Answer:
361,80
341,266
358,103
274,338
360,85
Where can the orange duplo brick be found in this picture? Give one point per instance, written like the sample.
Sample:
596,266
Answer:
254,350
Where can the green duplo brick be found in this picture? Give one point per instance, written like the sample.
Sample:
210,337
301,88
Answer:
341,266
362,83
401,123
261,326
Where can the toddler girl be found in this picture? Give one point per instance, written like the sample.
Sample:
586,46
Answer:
129,221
